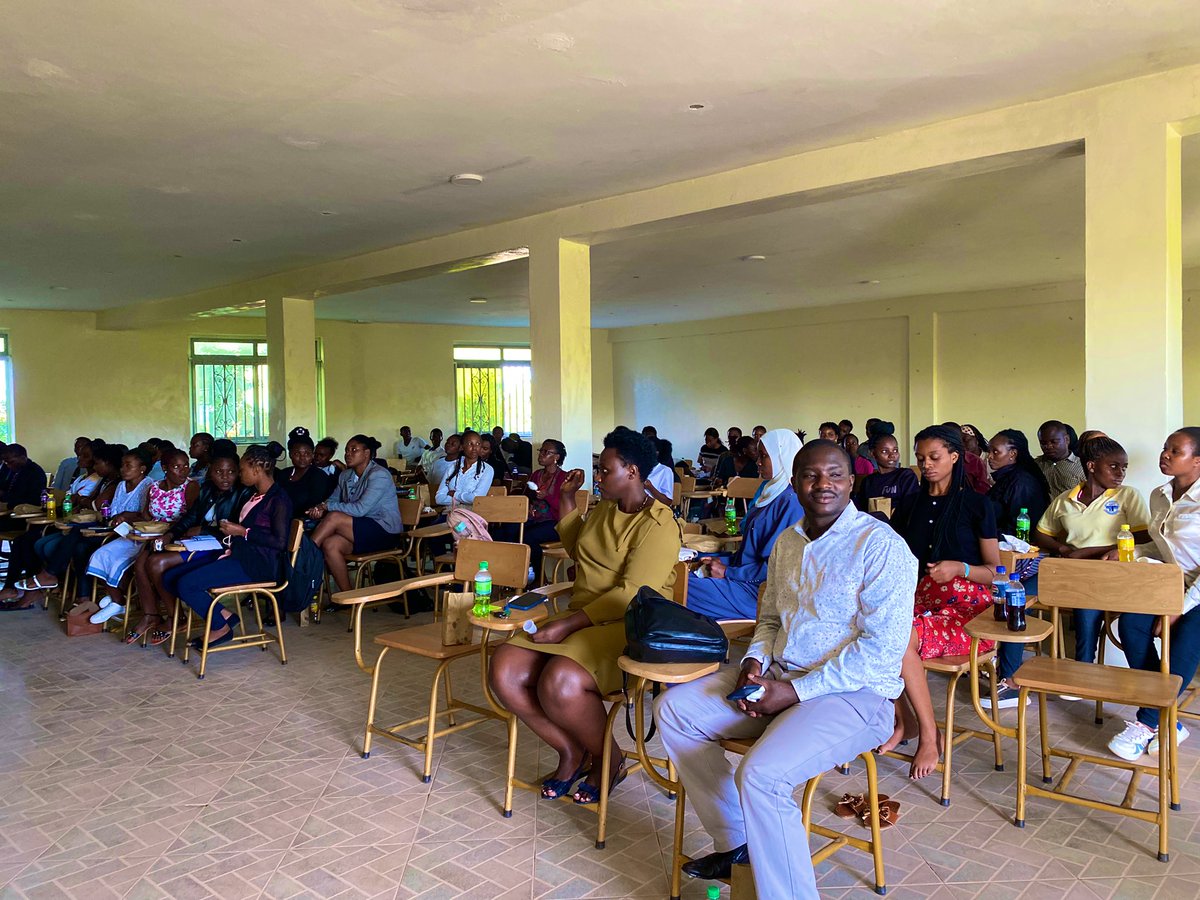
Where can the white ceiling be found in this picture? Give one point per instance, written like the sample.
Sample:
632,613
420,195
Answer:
141,139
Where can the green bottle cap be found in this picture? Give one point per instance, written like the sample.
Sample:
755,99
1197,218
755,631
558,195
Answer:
714,892
1024,511
483,566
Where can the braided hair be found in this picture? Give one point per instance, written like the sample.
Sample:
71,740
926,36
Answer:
951,436
462,456
1017,440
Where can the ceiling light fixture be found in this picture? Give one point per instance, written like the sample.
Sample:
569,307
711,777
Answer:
695,106
477,299
466,178
869,281
236,241
753,257
328,212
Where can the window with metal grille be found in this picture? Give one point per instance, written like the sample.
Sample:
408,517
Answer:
229,389
492,387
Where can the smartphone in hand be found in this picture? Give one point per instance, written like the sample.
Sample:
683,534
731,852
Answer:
749,692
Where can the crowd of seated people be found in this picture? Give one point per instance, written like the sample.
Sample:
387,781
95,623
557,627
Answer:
912,572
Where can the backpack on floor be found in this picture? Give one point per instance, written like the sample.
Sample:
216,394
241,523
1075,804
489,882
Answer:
304,578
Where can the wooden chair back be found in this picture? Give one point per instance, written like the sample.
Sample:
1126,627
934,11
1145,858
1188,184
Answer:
501,508
410,513
679,590
508,563
495,491
742,488
1010,558
295,538
1155,590
676,495
687,484
692,528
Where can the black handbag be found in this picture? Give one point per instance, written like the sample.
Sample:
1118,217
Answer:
658,630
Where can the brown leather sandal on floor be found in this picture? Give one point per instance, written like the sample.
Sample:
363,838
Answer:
851,805
889,814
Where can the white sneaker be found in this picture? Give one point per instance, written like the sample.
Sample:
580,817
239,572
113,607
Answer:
1069,697
113,609
104,601
1181,735
1131,743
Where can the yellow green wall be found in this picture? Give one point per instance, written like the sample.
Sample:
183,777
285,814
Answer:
1000,359
70,378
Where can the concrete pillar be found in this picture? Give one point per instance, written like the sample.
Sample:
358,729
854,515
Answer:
1133,387
560,337
922,380
292,361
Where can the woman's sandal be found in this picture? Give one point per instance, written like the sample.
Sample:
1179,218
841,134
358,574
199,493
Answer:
852,805
889,814
587,793
33,584
554,788
158,636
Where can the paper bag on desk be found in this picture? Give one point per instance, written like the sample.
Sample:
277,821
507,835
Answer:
880,505
456,622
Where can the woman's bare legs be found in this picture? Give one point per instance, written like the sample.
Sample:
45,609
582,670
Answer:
515,675
570,697
334,534
914,714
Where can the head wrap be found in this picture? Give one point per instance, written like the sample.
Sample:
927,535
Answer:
782,446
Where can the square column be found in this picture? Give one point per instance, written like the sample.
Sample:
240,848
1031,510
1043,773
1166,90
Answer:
560,337
292,362
1133,303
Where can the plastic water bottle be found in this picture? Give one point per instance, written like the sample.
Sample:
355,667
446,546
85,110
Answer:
999,593
1023,525
1015,607
67,504
45,500
731,526
461,529
51,506
1125,544
483,591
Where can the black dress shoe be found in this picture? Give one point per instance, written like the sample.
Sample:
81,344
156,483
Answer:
716,866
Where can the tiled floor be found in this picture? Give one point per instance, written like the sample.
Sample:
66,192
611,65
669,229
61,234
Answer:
121,775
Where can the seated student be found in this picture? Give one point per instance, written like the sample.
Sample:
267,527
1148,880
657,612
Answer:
710,451
1018,484
555,679
862,466
50,553
257,547
828,431
431,454
362,515
544,511
891,480
443,465
662,479
731,589
410,448
758,432
26,479
199,448
1175,538
740,462
490,454
325,457
158,572
827,652
521,457
165,502
1061,467
70,468
951,530
470,477
845,427
497,436
976,468
305,484
1083,523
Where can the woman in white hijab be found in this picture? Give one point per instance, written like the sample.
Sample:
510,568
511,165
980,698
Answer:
731,589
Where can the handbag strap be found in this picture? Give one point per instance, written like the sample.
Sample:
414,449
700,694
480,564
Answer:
654,690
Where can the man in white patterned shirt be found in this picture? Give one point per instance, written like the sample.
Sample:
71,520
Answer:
833,626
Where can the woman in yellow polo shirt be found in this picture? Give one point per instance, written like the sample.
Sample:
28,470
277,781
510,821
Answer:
1083,523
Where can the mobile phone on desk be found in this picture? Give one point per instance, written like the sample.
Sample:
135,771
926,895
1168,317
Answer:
527,601
749,692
